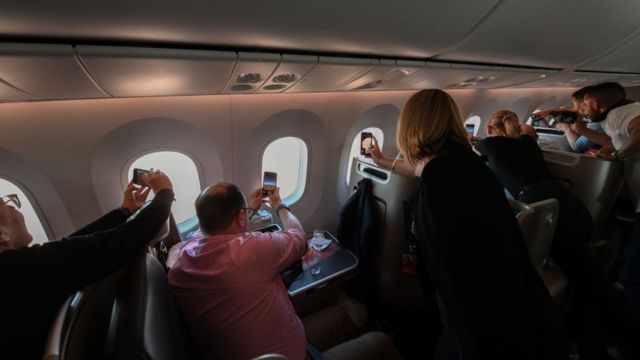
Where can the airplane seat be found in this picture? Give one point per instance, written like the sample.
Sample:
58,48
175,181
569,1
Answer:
148,325
538,224
597,183
395,288
82,327
164,240
552,139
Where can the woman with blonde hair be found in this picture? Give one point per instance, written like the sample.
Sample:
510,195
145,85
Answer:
492,302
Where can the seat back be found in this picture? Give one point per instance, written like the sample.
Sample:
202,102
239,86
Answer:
538,224
552,139
595,181
148,325
390,190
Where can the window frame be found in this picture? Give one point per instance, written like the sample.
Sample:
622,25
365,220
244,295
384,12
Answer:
44,222
124,176
292,199
350,161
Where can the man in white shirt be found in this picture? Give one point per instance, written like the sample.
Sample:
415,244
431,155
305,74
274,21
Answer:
620,118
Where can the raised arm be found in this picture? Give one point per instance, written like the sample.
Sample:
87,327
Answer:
289,221
399,166
599,138
81,260
134,197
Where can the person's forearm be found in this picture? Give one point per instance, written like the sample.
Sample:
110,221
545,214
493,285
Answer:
401,167
599,138
572,137
289,221
631,148
144,227
107,221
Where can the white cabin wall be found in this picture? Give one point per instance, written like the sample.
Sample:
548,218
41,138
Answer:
61,139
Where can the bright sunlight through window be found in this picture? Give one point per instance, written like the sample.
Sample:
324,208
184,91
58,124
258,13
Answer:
287,157
183,174
355,146
30,217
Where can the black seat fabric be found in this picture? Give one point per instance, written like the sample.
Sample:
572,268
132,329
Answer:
148,324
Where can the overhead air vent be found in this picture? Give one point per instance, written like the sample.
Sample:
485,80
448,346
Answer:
285,78
248,78
241,87
274,87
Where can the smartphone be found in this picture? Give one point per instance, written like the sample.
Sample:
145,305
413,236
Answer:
470,128
269,182
366,143
137,176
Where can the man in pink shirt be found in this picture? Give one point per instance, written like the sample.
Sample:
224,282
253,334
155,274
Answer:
228,283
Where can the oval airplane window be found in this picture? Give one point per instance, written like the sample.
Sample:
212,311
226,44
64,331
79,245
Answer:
31,219
287,157
530,120
183,174
355,146
472,124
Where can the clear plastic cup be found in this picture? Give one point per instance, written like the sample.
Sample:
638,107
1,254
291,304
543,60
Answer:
318,241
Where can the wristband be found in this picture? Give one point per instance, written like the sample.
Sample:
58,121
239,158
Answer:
280,207
393,164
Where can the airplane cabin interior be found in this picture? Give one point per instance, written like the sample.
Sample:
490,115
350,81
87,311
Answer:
224,91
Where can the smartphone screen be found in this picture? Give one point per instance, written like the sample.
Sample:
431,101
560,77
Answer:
137,176
269,181
366,143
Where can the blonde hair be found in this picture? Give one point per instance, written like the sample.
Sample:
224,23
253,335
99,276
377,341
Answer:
505,123
429,118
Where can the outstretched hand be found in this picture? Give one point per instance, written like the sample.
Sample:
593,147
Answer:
376,154
134,197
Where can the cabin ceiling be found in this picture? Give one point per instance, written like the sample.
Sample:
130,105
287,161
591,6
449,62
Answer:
68,49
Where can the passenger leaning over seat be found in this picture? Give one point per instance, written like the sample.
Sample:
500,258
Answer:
36,280
228,283
583,134
518,163
493,303
620,118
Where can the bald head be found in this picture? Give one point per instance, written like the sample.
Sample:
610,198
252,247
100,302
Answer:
217,207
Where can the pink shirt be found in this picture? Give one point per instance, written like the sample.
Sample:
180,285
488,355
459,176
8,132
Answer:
229,290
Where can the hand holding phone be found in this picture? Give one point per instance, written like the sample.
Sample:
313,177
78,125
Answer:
269,180
137,177
366,143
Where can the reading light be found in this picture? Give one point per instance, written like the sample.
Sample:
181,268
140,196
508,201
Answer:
273,87
241,87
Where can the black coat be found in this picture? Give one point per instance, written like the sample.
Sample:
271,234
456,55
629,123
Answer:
36,280
495,304
359,230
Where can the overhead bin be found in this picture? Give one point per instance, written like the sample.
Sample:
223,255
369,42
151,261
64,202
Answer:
45,71
141,71
520,33
618,58
386,75
292,68
333,74
10,93
251,72
580,79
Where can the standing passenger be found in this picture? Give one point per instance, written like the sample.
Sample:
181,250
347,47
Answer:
493,303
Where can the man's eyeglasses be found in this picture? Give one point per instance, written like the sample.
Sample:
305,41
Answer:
12,198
